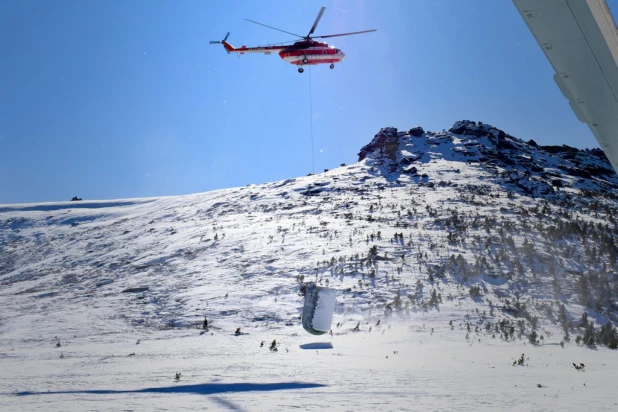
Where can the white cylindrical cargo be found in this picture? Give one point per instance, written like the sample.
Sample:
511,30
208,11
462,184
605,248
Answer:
319,308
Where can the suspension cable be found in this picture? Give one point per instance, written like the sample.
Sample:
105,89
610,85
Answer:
311,119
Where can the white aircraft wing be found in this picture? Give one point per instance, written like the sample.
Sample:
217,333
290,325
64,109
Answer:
580,40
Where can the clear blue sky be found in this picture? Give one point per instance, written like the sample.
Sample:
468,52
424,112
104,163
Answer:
117,99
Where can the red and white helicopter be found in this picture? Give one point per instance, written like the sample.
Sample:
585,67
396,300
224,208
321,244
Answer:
303,52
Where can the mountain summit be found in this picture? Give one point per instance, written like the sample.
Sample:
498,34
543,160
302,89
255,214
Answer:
524,166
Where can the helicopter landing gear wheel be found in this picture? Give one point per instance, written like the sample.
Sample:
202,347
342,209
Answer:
332,66
305,60
300,70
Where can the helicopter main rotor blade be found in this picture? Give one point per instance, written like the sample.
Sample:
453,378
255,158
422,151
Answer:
344,34
317,20
220,41
274,28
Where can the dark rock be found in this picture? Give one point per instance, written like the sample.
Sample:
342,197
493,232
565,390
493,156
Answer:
458,127
569,155
104,282
465,152
386,141
470,128
576,172
416,131
311,192
532,143
504,144
598,153
136,290
559,149
599,170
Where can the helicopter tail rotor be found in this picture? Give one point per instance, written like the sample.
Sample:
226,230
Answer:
227,46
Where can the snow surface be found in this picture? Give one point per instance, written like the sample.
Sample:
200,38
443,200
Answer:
103,301
390,369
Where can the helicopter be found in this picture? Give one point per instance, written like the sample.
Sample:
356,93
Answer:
301,53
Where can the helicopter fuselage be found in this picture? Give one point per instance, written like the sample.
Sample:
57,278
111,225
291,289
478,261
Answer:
311,52
301,53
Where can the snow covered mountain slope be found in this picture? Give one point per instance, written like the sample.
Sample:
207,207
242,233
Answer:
469,235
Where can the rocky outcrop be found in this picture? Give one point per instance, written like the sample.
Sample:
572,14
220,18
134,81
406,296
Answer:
416,131
560,149
478,129
385,143
531,168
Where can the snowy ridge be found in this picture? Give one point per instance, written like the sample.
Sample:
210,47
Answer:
522,165
471,233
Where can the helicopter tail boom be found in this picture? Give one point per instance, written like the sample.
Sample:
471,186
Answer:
228,47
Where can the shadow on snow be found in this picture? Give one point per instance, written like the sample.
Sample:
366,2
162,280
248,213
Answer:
200,389
317,345
50,207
